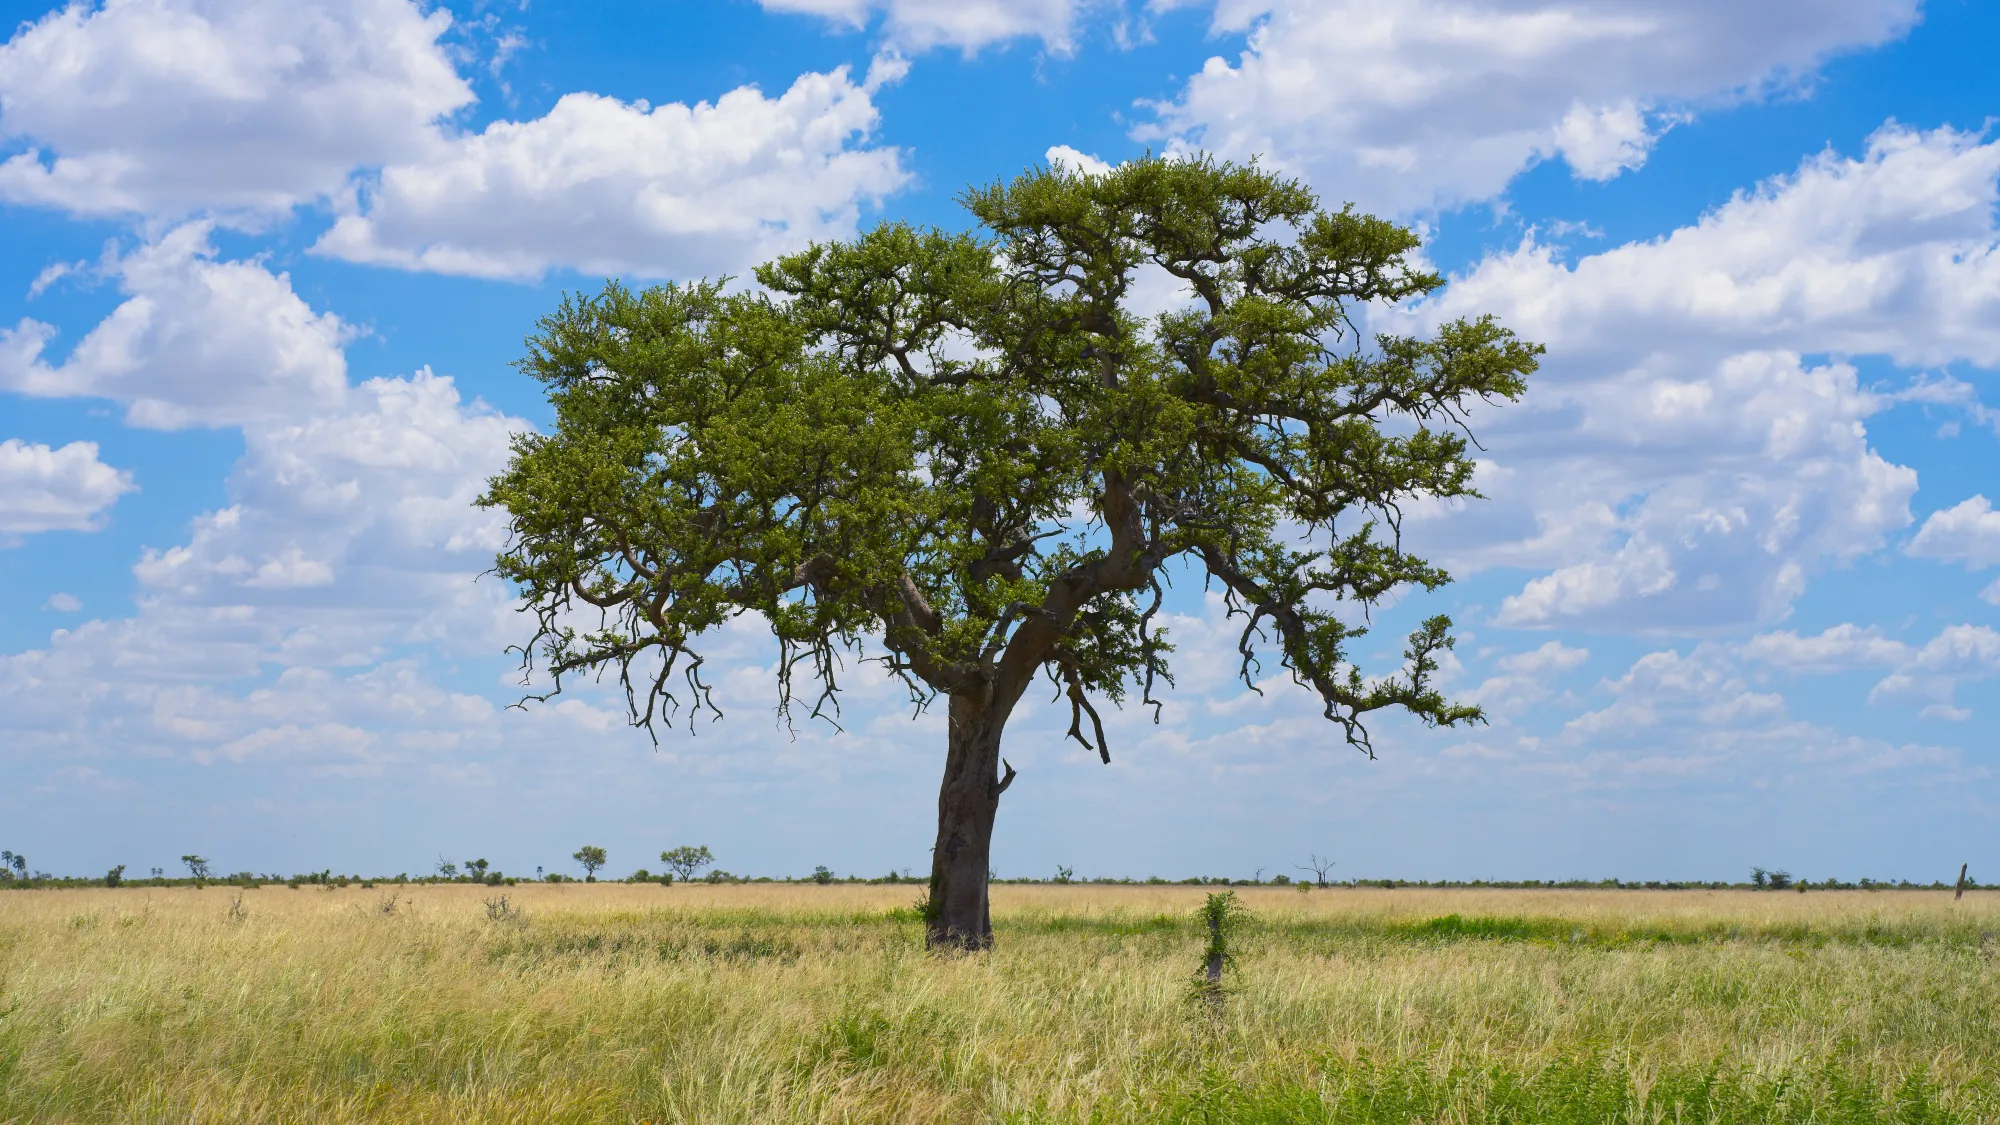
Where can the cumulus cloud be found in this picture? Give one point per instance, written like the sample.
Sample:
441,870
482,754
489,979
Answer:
606,186
362,511
1524,678
1932,673
50,489
198,341
1440,102
1079,161
1927,673
1968,532
1677,715
350,537
1679,464
919,25
1553,657
170,107
349,540
239,111
1661,685
1894,252
1836,649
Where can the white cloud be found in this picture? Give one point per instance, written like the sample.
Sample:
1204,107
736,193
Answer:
1524,678
1638,570
1439,102
350,536
170,107
52,273
1968,532
1079,161
359,513
240,111
1892,253
1677,464
350,539
919,25
1552,658
1961,650
1662,685
1930,673
63,603
198,342
1683,716
606,186
48,489
1662,501
1838,648
1599,143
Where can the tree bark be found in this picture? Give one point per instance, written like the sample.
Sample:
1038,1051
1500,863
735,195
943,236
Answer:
958,916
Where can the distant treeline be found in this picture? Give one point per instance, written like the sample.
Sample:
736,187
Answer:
823,877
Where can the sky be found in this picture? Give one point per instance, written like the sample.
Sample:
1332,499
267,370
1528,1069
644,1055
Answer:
1731,598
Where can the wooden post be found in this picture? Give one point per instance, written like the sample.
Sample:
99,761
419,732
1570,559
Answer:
1961,882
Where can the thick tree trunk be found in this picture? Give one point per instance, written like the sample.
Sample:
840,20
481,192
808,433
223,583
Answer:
958,914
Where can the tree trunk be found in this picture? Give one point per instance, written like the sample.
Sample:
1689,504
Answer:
958,916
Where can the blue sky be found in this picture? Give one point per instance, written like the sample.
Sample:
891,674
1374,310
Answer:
1732,598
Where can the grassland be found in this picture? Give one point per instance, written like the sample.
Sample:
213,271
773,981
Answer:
817,1004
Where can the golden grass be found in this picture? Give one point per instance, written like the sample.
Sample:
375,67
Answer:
758,1003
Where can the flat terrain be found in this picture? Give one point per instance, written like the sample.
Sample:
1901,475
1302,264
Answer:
818,1004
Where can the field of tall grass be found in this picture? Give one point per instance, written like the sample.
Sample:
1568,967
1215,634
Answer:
616,1003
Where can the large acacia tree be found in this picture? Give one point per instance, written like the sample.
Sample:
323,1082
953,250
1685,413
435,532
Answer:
969,457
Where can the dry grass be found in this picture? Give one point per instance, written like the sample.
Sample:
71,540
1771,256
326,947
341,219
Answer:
817,1004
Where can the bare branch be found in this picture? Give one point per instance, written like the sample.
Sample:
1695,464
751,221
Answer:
1079,706
1001,786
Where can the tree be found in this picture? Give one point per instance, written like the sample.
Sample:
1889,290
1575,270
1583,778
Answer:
591,858
1319,868
970,458
447,868
19,864
687,860
198,868
114,876
476,869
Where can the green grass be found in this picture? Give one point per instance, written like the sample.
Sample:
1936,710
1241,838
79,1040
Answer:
611,1003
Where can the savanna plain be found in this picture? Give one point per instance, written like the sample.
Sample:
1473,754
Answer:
779,1003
